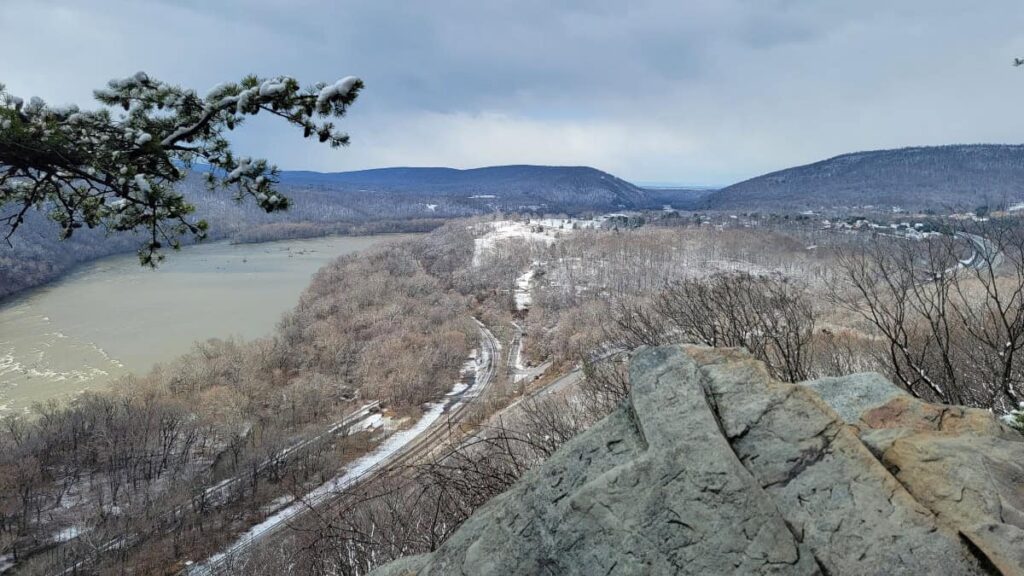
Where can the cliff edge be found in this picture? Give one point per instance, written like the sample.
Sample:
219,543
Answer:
712,467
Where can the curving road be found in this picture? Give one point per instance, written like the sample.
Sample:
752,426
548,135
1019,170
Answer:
985,251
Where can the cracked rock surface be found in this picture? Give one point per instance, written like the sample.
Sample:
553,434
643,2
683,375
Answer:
712,467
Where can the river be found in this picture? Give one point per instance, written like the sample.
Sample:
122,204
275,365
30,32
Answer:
112,317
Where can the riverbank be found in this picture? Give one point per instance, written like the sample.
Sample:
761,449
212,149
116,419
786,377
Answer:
112,317
34,261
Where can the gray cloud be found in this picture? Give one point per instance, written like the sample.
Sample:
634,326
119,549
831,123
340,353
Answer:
705,91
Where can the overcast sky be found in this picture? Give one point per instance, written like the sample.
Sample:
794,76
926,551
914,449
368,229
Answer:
681,91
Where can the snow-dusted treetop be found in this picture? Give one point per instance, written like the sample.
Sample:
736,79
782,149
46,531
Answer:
116,166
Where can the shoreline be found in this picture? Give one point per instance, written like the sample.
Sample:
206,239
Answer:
111,317
78,266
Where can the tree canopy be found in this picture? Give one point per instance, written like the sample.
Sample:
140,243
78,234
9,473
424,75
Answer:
116,167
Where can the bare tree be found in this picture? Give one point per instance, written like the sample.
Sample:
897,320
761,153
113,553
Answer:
950,309
767,315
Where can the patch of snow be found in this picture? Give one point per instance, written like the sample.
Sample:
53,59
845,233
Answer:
354,471
522,295
459,388
544,230
373,422
142,183
273,87
217,91
242,101
67,534
243,166
519,366
339,89
504,230
468,373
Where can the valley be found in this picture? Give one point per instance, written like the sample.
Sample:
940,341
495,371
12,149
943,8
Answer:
511,289
416,379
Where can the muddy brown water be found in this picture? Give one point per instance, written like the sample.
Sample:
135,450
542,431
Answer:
112,317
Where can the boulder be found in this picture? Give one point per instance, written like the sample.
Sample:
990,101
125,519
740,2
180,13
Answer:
961,463
712,467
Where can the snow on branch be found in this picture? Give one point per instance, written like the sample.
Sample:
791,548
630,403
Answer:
116,166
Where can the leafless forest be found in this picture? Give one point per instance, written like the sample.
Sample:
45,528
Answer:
136,464
941,314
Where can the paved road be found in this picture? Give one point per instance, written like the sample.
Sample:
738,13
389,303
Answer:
985,251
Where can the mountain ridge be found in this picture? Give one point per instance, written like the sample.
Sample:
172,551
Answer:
947,177
507,187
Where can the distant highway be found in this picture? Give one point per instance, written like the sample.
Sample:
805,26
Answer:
985,251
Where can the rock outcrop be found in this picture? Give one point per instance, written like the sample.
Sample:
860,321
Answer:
712,467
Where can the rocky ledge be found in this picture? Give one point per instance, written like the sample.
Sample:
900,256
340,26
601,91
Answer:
712,467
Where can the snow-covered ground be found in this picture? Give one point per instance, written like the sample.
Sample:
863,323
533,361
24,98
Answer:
480,366
317,496
520,371
517,366
507,230
469,368
372,422
522,295
67,534
545,230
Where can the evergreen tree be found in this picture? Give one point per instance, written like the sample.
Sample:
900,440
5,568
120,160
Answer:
116,167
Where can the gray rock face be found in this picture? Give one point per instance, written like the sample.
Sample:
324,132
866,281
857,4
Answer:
714,468
959,463
842,502
851,396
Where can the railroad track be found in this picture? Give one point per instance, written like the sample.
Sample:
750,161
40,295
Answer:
417,446
225,491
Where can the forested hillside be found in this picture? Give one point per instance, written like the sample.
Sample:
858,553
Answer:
159,447
365,202
546,188
37,255
940,178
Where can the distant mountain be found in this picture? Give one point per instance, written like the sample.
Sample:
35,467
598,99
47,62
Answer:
535,188
680,198
364,202
940,178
